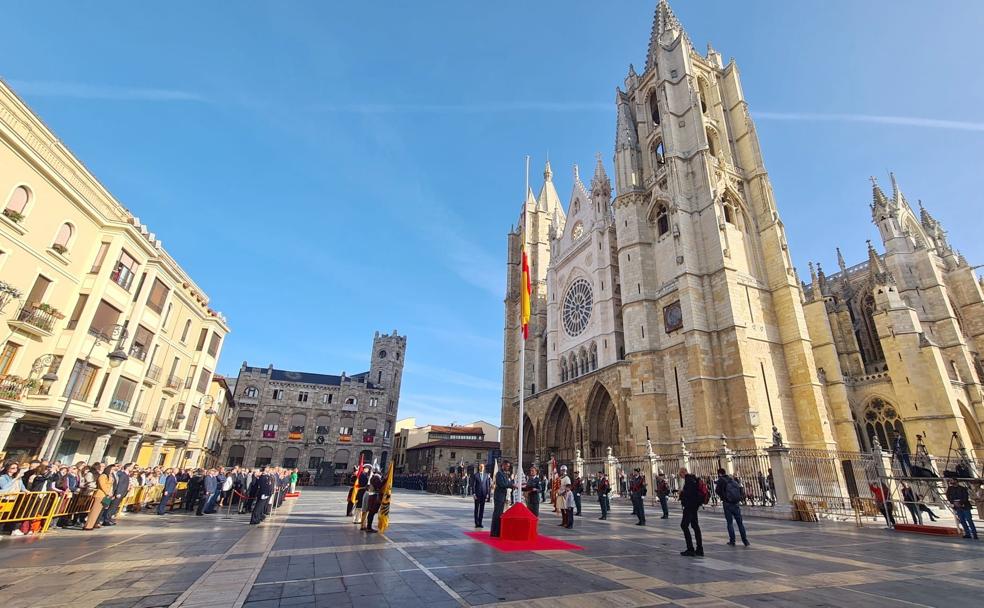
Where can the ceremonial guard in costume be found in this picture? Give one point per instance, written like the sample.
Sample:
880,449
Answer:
503,484
373,499
565,497
264,489
532,491
576,488
360,494
350,502
604,488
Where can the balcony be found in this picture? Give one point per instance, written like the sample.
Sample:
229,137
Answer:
39,321
138,352
160,426
173,384
153,375
138,419
12,387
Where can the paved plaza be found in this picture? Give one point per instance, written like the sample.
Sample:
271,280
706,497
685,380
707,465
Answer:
309,556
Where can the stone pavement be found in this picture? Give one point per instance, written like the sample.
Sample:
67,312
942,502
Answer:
310,556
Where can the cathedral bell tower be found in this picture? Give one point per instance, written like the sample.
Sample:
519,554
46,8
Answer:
712,314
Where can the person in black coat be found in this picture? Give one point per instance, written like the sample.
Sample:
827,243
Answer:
692,501
264,489
482,489
503,484
121,487
532,491
193,491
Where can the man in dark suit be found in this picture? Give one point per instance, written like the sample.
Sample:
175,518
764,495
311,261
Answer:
264,488
193,491
503,484
170,485
482,487
121,487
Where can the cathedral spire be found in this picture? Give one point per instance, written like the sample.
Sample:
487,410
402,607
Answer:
548,200
601,186
666,28
875,266
879,203
840,260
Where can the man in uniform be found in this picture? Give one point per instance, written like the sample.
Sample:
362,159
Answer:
604,487
663,493
264,488
503,484
576,488
363,480
637,490
481,486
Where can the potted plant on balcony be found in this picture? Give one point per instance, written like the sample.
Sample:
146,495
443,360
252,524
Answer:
7,293
11,387
61,249
14,216
51,310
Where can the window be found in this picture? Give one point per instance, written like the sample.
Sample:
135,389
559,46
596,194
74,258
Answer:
184,333
296,429
278,394
326,399
251,392
290,458
80,381
214,344
659,155
141,343
17,203
654,107
314,462
123,272
373,402
167,316
63,238
201,339
177,416
193,418
100,257
158,293
662,220
351,401
346,428
190,380
7,357
712,142
369,432
125,388
236,455
203,380
323,424
264,456
270,431
244,421
38,291
105,318
302,397
452,455
73,320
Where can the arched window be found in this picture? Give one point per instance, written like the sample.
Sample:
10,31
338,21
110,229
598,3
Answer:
315,459
290,458
882,421
244,420
594,356
323,425
341,461
17,203
187,328
659,157
351,401
236,455
346,427
654,107
702,91
563,369
252,392
63,238
662,220
271,423
264,456
366,456
729,214
297,422
573,366
712,142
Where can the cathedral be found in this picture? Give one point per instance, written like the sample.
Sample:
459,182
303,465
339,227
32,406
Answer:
668,310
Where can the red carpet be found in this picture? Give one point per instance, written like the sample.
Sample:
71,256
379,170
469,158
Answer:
937,530
540,543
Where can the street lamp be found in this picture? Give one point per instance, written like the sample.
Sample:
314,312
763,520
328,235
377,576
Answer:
49,378
116,358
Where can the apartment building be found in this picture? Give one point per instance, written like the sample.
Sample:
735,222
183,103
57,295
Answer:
102,330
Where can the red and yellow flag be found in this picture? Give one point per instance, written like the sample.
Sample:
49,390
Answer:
524,298
355,484
384,507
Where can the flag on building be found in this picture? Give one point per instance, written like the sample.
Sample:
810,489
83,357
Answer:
384,506
524,297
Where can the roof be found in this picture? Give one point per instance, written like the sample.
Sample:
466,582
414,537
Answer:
457,443
281,375
464,430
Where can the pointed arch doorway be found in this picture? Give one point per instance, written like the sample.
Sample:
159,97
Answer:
603,427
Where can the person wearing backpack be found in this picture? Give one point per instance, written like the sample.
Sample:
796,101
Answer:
692,499
731,494
663,494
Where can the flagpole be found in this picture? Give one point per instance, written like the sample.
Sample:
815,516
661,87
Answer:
522,350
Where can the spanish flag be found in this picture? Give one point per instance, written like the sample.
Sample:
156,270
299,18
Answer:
384,507
524,298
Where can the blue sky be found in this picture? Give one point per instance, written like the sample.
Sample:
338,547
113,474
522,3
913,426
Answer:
327,169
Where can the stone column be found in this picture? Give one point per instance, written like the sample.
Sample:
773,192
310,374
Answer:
7,421
99,449
611,469
176,456
684,463
655,464
132,448
726,456
155,456
782,477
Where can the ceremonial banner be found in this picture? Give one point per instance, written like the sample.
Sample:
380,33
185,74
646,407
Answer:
384,507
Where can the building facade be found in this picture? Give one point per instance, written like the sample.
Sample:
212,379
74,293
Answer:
669,310
102,328
318,423
449,456
409,436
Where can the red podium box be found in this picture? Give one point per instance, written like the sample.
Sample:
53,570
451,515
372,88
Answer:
519,524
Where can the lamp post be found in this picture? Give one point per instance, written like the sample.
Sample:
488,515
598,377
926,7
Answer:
116,358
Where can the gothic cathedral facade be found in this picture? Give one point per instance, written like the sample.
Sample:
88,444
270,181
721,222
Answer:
672,311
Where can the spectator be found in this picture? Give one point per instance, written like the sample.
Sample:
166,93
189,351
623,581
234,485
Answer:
959,497
102,497
731,494
692,500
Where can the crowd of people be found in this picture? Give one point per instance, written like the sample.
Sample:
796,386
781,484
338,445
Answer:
92,495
